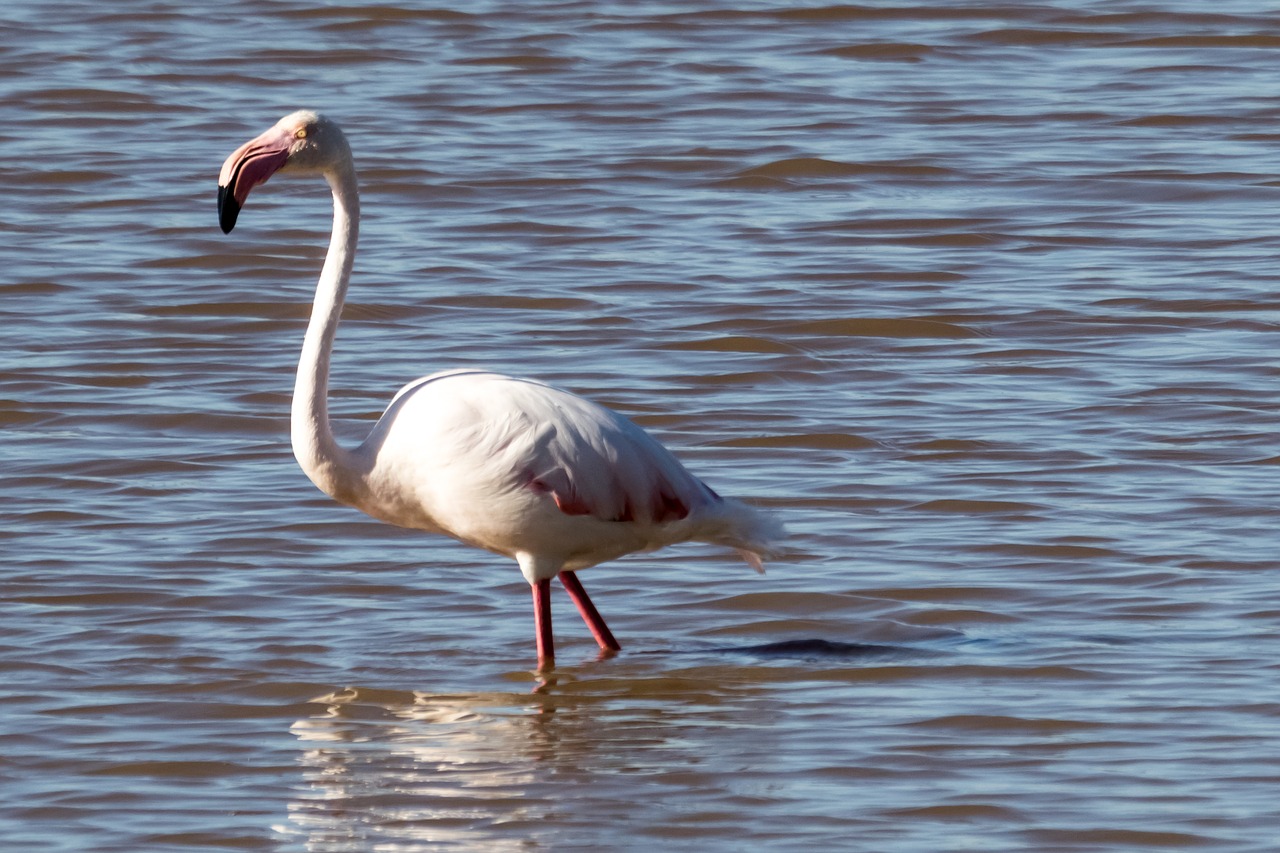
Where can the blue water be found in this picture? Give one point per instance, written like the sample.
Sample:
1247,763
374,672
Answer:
980,299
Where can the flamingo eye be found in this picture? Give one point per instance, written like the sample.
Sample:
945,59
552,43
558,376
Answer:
300,133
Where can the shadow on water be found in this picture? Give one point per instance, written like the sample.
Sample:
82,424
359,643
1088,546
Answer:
813,649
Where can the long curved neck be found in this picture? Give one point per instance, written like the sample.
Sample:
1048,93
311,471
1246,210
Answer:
331,468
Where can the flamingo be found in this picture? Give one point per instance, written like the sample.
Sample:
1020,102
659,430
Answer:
511,465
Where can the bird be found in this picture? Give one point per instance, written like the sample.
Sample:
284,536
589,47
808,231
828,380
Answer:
514,466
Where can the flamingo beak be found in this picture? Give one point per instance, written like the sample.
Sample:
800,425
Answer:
251,164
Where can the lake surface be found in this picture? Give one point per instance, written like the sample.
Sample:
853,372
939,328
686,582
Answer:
982,299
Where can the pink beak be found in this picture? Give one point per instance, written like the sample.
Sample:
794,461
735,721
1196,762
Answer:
251,164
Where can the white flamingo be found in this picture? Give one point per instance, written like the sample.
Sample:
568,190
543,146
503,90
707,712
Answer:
511,465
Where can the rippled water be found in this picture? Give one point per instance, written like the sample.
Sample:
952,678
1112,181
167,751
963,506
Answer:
981,298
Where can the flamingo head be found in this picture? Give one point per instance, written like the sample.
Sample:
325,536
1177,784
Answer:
301,141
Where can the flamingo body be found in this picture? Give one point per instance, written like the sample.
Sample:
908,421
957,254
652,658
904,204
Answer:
511,465
530,471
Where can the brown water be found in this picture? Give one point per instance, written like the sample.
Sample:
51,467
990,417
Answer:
982,298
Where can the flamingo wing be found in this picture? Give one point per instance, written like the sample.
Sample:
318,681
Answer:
591,461
597,463
520,434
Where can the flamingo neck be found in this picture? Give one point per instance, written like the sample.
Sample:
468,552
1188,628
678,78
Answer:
330,467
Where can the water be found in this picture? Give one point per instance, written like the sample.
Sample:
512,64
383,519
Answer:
980,298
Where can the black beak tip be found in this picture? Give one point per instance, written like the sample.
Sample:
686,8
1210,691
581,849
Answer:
228,209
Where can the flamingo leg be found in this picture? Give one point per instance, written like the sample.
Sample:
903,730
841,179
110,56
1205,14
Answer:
590,615
542,623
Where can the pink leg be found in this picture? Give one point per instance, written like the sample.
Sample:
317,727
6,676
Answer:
542,623
589,613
